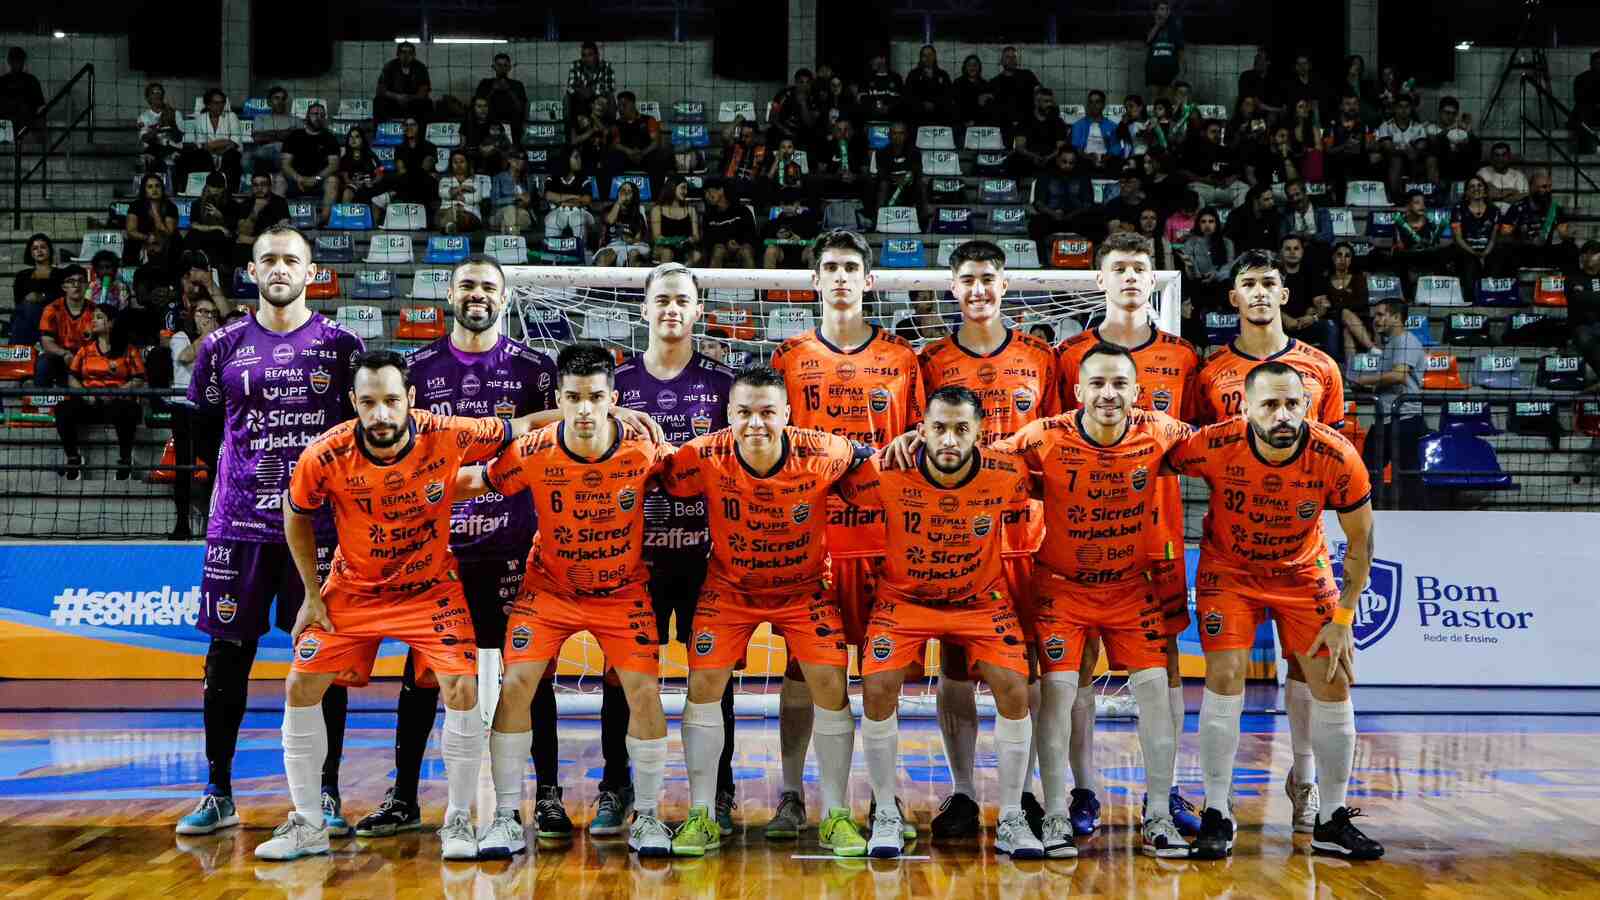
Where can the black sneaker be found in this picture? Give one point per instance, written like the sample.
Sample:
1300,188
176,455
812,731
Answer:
957,818
391,817
1216,836
550,817
124,470
74,469
1033,811
1340,835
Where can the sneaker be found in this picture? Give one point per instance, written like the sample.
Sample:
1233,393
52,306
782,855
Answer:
457,840
124,470
211,814
391,817
1162,840
1216,836
888,834
1085,812
611,813
789,820
293,839
1013,837
1340,835
74,469
550,817
697,834
838,832
1055,833
333,817
1033,811
647,836
1307,803
725,805
908,827
958,818
1183,814
504,839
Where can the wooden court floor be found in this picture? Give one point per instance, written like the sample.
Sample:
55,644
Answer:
1468,806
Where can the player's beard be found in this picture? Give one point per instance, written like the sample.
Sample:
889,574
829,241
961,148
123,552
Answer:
468,317
283,294
936,459
1280,437
394,435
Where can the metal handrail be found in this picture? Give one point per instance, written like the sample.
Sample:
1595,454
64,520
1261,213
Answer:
42,121
1566,115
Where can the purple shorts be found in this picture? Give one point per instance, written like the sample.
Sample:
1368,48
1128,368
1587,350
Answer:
239,581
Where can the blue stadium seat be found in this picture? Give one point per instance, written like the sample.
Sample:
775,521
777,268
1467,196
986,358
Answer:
333,248
690,136
1503,292
1435,195
1467,417
243,287
998,190
1008,220
1221,327
539,161
955,220
1417,324
254,107
303,214
1380,224
690,111
185,207
1459,460
389,134
447,249
877,135
642,182
901,253
373,284
1383,286
548,323
351,217
385,158
1499,371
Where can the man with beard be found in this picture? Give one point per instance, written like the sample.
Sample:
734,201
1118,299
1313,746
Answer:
1536,228
1258,558
278,379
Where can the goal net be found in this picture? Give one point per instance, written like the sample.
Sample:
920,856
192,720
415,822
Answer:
747,314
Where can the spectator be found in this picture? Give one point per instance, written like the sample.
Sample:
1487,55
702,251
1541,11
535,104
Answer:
1151,228
1391,88
928,91
1583,305
1455,148
1307,306
975,100
1274,165
63,328
1249,125
743,159
1158,126
510,200
1256,81
1180,222
790,231
40,282
1474,229
1035,139
881,92
1399,373
569,199
1506,184
160,250
1093,136
269,132
197,281
1535,230
899,179
924,324
1132,126
151,214
1163,49
1184,113
730,230
626,234
144,319
676,225
214,223
592,137
1165,189
1254,225
1351,148
261,211
461,196
311,162
1060,195
1356,84
1304,219
1347,300
1417,242
508,99
102,362
206,319
782,170
1013,90
1404,142
637,142
484,139
1129,200
792,114
107,285
1305,136
1303,84
1208,260
404,89
160,135
1586,105
362,178
416,163
21,97
217,138
589,77
1212,170
841,169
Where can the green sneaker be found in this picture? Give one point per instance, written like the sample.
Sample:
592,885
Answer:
840,834
697,834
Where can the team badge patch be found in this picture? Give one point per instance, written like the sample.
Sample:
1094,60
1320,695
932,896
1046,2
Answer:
1212,623
1161,400
320,381
878,399
227,607
882,646
700,423
981,525
625,499
1023,398
1141,477
434,491
1054,648
309,645
505,409
802,512
520,636
704,642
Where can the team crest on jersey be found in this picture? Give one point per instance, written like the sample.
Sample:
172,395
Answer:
520,636
309,645
882,647
505,409
1023,398
802,512
1054,648
666,400
434,491
283,354
981,525
213,394
1141,477
471,384
1161,400
1272,484
704,643
625,498
878,399
700,423
845,371
1306,510
320,381
227,607
1212,622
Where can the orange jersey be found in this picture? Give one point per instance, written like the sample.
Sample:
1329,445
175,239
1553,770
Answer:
766,532
94,369
870,395
393,516
1017,385
1266,519
944,543
70,331
1097,499
590,512
1221,383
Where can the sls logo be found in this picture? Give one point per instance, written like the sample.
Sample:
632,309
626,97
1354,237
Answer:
1379,607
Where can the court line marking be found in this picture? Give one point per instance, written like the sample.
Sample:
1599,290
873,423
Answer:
831,856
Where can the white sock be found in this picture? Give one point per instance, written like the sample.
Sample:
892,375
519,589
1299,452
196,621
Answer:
880,743
305,746
508,767
957,706
1297,697
834,738
1177,704
1082,749
1155,732
794,733
1219,744
1333,734
702,749
1056,693
1012,740
489,669
649,757
1034,701
461,745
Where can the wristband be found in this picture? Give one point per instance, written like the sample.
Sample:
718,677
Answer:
1344,616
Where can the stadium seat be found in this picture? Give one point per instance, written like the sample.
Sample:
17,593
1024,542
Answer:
983,137
1442,373
444,134
1212,112
1020,254
1502,292
350,217
897,220
1114,111
1441,220
299,106
1532,329
333,248
1366,195
117,214
340,130
1550,290
1467,330
651,108
901,253
1468,416
731,110
1383,287
732,322
430,284
390,249
1369,363
561,251
998,190
947,189
1221,327
1344,221
606,325
1534,418
243,287
936,137
1008,220
990,163
17,361
1458,460
323,286
1380,224
941,162
1586,417
447,249
1439,290
365,321
689,111
953,220
354,109
195,185
947,249
1499,371
1071,251
385,158
878,137
255,107
1071,112
546,111
546,323
542,134
1104,189
1417,324
185,207
373,284
689,136
303,214
540,161
784,322
405,217
419,323
1560,373
1433,193
642,182
1319,193
506,249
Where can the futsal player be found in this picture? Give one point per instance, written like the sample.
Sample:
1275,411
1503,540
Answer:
1168,365
389,477
1259,295
687,394
1272,472
766,486
943,579
853,379
278,379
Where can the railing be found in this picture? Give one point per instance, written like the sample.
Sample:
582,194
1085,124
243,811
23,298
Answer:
1563,114
42,122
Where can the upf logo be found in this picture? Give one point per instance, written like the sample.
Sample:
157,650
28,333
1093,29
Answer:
1379,607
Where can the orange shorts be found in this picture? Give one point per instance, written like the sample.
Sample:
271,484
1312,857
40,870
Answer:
1170,579
623,623
1019,590
1126,617
986,628
435,624
1231,605
855,582
727,618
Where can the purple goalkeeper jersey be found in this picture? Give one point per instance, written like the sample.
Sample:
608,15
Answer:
688,406
507,381
276,394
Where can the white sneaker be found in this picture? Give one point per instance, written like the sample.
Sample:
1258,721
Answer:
647,836
503,839
1163,840
888,834
1056,836
293,839
1013,836
457,840
1307,803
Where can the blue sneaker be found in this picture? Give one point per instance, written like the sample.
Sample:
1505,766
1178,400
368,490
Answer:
213,813
611,813
1183,814
1084,811
333,817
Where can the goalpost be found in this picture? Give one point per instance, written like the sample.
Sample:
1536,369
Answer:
748,312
